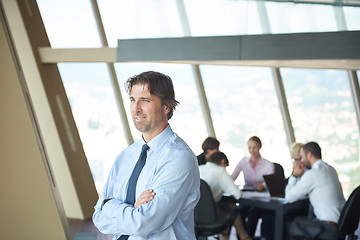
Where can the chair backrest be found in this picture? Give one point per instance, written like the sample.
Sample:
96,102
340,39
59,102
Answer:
205,210
279,169
349,218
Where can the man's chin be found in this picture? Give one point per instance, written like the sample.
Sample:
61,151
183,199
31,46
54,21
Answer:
141,128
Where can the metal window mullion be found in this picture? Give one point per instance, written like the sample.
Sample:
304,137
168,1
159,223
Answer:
203,100
113,77
120,104
284,108
264,19
340,18
279,87
183,18
352,75
355,93
196,72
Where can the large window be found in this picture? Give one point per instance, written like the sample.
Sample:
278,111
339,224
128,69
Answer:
97,118
69,24
242,100
322,110
352,16
140,19
208,18
295,17
243,103
187,121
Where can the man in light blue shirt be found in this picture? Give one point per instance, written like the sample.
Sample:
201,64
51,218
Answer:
321,184
167,188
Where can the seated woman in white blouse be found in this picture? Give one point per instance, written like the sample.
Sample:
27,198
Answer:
220,182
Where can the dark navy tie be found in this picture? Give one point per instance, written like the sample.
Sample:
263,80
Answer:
130,194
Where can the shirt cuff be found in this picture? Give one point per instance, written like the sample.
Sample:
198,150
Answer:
105,201
110,206
292,180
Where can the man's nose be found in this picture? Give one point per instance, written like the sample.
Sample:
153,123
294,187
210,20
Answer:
136,104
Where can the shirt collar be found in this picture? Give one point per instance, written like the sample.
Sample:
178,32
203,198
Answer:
211,164
258,162
317,164
160,139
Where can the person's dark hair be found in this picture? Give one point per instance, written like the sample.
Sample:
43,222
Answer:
255,139
159,85
216,157
210,143
312,147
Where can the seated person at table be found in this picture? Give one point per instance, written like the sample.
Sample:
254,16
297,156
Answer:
220,182
209,146
295,151
295,154
321,183
253,167
268,217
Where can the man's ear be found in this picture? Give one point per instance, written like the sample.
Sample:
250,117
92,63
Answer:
223,162
166,109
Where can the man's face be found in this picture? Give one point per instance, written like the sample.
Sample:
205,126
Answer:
148,113
305,159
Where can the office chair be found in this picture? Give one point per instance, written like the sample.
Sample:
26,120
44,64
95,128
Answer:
349,218
209,221
279,169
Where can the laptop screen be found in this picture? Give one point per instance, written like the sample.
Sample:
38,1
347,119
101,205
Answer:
276,184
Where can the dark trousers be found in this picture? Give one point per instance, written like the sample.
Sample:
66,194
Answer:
250,217
311,228
268,224
268,221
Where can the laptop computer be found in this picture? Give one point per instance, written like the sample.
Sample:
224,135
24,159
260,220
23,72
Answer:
276,185
247,189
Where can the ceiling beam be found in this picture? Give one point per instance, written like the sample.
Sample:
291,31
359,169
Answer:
295,46
326,50
52,55
55,55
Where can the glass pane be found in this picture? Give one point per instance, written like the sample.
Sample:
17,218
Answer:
295,17
93,104
322,110
140,19
218,17
243,103
187,121
352,16
69,23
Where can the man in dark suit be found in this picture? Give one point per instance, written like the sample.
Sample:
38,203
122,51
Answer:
209,146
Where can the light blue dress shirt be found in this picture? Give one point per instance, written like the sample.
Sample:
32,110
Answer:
171,170
321,184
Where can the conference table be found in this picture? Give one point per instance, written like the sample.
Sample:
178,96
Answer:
281,207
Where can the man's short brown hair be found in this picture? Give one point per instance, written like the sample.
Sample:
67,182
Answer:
159,85
210,143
